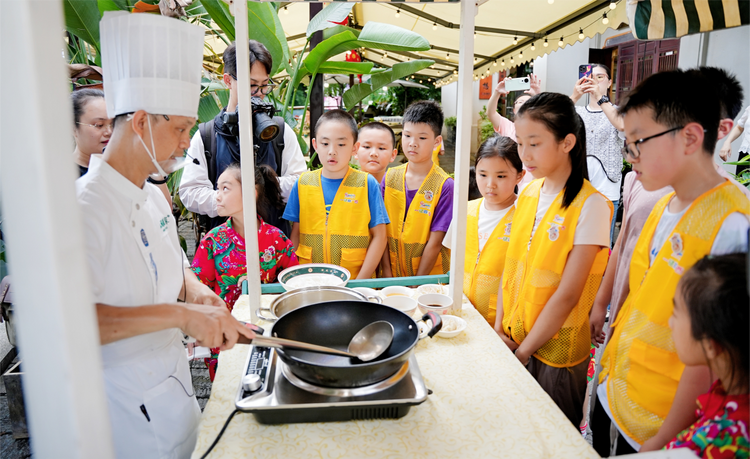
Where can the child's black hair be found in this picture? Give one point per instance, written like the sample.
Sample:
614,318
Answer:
679,97
499,146
729,89
425,111
474,192
715,293
381,127
558,113
341,116
267,184
80,98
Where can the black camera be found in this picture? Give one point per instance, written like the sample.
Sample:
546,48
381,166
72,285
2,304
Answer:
264,127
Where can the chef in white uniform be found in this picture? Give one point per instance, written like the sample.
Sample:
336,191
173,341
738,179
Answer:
152,71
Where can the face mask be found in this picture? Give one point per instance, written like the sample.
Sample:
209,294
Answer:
163,168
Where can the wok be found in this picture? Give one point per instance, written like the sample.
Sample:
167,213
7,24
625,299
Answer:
333,324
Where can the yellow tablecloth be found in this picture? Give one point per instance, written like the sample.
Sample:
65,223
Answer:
484,404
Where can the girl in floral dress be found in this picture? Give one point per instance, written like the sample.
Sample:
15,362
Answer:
709,327
220,260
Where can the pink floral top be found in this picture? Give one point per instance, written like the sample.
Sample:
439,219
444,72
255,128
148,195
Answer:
220,260
721,429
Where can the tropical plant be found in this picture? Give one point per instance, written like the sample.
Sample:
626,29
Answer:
486,130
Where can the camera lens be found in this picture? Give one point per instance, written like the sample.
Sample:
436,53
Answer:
525,80
265,127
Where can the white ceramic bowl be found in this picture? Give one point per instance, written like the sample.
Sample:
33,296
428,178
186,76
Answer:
434,302
450,321
402,303
312,275
432,288
371,294
396,290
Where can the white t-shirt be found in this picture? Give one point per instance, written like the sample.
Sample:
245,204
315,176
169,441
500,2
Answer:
732,237
599,179
593,222
487,221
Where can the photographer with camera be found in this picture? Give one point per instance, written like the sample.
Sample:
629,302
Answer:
216,145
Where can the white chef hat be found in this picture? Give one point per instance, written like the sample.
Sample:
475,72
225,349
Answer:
150,63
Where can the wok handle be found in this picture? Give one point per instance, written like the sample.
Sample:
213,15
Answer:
377,299
437,323
263,317
268,341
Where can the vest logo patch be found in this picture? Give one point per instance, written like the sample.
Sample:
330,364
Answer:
423,211
429,195
505,239
554,233
507,229
677,246
424,205
558,219
675,266
350,198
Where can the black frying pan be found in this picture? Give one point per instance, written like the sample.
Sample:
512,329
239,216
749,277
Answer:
333,324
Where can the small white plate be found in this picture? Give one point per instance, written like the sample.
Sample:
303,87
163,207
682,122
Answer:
460,326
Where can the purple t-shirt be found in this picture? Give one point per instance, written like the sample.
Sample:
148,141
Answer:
441,219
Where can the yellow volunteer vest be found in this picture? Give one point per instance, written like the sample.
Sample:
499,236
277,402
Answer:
407,238
640,361
533,272
341,237
483,270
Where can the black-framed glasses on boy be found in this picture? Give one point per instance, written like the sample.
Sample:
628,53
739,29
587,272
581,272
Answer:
265,89
632,149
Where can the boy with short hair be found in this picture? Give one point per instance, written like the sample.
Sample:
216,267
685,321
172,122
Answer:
377,149
419,199
670,140
337,212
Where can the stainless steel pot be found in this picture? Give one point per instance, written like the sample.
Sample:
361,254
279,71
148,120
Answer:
295,299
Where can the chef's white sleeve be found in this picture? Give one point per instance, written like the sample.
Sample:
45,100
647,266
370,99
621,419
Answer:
196,190
292,162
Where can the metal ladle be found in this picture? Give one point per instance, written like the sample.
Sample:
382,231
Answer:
367,344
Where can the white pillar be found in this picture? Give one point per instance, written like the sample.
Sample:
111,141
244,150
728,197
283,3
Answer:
247,156
463,148
66,406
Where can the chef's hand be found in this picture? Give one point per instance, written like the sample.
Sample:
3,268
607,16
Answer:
212,326
202,294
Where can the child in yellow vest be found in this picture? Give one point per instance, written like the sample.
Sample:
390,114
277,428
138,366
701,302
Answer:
498,170
377,149
557,253
419,199
670,139
337,212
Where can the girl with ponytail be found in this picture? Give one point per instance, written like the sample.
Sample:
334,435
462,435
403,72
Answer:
557,253
220,260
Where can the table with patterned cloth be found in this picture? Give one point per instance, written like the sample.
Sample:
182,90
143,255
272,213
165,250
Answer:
484,404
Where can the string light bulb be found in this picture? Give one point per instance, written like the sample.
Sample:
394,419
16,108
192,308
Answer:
398,13
550,1
520,55
286,10
511,59
612,5
448,56
533,46
488,71
502,62
605,21
515,40
545,43
494,63
561,42
580,34
434,26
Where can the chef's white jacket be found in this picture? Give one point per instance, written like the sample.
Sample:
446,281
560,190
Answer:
135,259
197,192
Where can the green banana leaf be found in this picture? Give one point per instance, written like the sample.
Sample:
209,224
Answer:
380,79
387,37
220,14
345,68
320,54
334,12
82,20
111,5
207,108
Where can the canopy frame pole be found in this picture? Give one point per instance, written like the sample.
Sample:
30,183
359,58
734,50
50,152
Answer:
58,333
463,149
247,154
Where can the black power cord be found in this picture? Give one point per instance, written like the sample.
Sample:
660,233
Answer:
218,437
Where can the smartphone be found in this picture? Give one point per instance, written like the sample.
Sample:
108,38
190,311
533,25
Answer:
518,84
584,70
